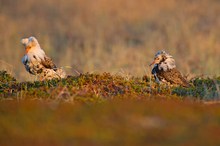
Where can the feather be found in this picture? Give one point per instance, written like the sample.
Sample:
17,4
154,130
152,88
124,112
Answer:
48,63
173,76
25,59
37,63
165,69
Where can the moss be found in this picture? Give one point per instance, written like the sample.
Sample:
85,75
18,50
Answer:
203,88
6,77
6,82
93,88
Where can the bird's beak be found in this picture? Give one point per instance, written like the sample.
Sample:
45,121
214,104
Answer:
152,63
27,49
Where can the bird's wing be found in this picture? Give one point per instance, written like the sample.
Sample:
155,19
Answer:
48,63
174,76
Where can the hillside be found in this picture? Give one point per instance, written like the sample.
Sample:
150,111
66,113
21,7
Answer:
105,109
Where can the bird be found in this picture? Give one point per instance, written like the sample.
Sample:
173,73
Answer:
165,70
37,63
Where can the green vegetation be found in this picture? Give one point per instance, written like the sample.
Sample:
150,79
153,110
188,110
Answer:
206,89
99,87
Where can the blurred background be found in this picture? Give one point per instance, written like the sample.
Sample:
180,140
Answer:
119,36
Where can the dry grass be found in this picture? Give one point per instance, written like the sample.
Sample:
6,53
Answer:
112,36
114,123
119,37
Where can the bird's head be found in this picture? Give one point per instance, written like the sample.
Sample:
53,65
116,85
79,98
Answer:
160,56
164,61
30,43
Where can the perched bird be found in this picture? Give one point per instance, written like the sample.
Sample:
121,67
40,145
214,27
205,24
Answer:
165,70
37,63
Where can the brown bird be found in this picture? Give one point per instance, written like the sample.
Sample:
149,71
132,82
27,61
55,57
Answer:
165,70
37,62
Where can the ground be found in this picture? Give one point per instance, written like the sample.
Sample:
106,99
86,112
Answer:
105,109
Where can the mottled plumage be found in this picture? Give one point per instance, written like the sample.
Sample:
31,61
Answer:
37,63
165,70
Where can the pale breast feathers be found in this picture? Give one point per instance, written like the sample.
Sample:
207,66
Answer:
169,63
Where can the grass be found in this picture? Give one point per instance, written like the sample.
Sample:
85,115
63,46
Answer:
112,104
108,36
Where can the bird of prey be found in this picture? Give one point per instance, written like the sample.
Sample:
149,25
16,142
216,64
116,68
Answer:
165,70
36,62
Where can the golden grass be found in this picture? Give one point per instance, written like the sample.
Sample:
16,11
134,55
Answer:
112,36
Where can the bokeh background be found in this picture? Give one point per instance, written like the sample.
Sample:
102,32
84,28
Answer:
119,36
